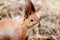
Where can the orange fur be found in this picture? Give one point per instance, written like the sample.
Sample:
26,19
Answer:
13,29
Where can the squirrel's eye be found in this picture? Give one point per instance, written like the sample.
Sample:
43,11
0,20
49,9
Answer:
31,20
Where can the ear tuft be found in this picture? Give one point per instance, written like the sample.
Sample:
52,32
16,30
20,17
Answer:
29,8
32,7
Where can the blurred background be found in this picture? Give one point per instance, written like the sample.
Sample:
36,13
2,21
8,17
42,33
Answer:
47,10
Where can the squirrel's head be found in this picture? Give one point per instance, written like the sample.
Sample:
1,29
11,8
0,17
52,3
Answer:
30,17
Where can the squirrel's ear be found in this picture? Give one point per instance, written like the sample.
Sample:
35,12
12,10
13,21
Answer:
29,6
29,9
